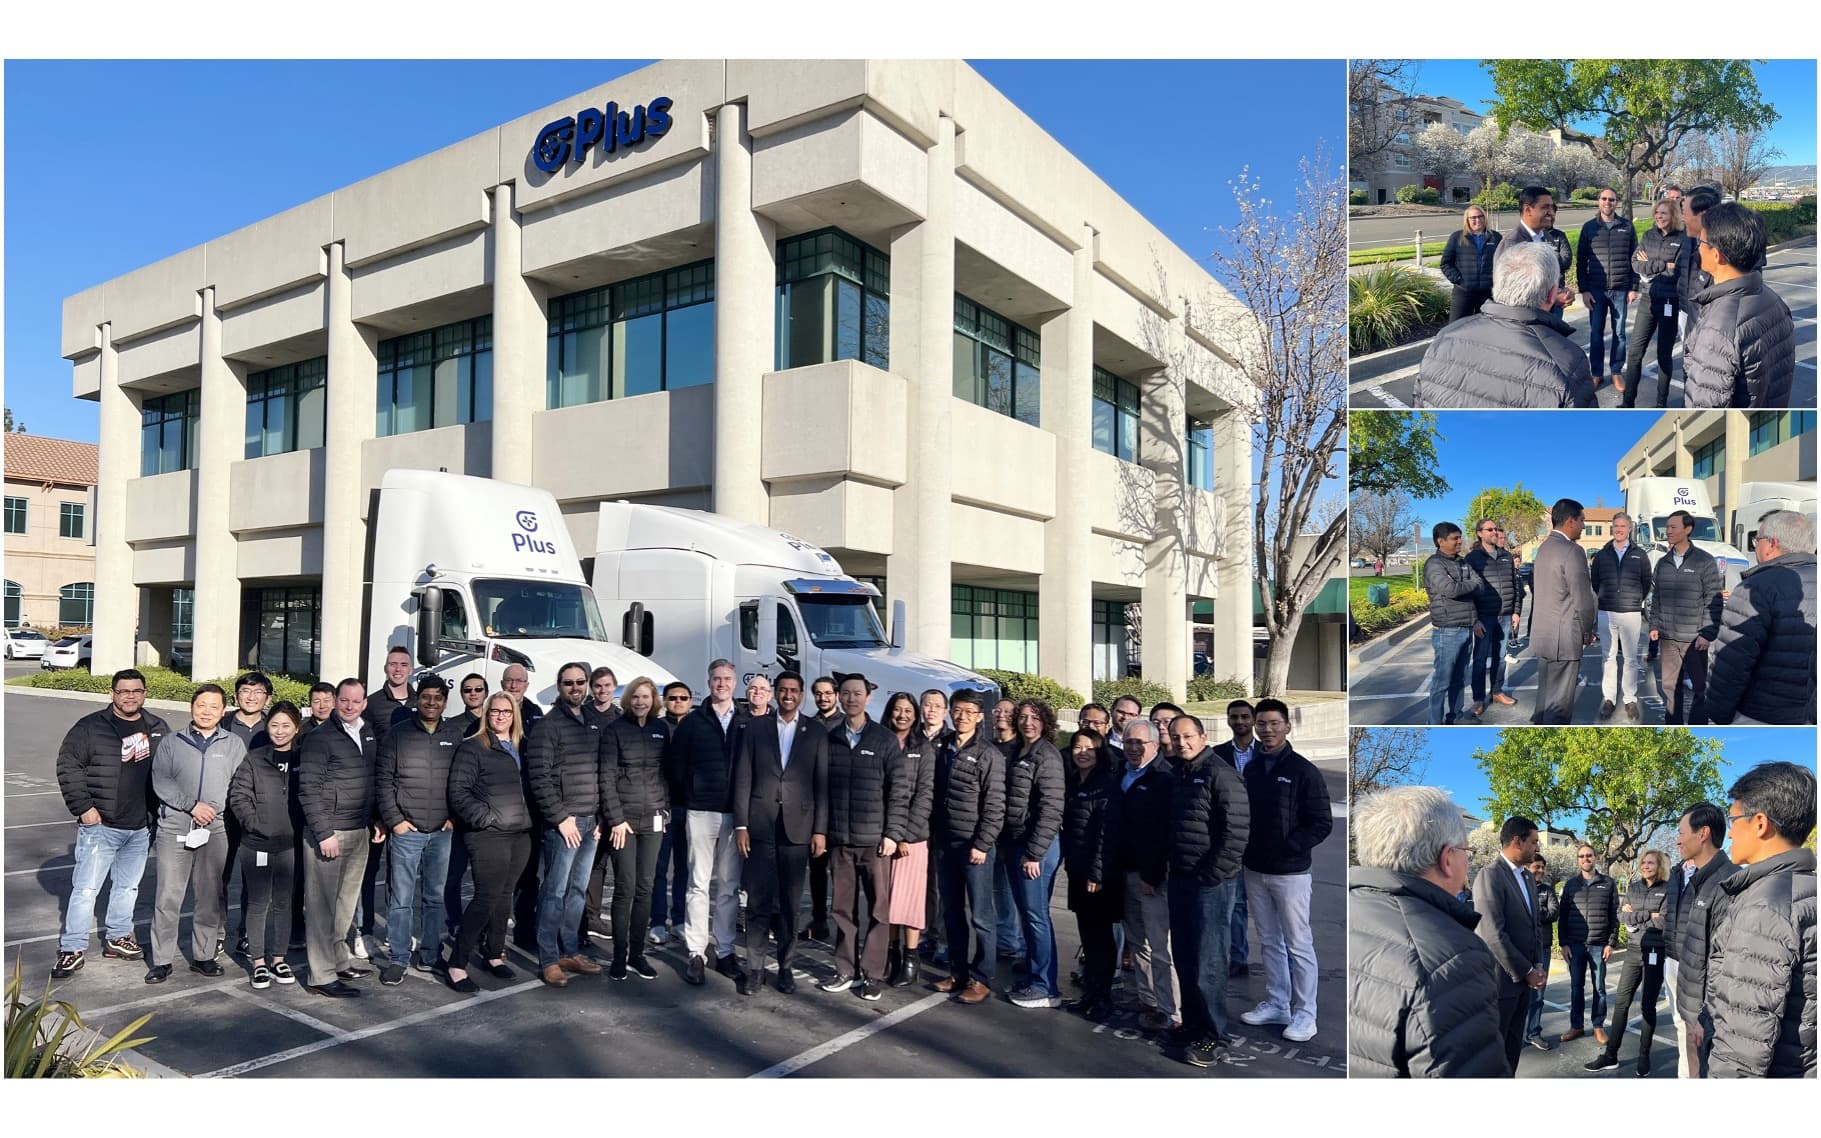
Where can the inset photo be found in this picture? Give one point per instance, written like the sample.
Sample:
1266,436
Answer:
1549,233
1611,569
1572,903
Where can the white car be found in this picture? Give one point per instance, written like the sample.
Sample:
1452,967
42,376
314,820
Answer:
25,644
70,652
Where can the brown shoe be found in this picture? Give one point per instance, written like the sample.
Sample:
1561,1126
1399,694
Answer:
1479,709
1631,709
1606,709
579,963
554,977
1502,698
1618,382
947,984
1599,1035
975,993
1571,1036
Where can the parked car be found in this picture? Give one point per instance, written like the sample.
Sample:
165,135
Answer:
25,644
1204,664
70,652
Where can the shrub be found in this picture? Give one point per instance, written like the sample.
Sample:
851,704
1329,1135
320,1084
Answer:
1419,195
1405,603
44,1039
1356,197
1387,304
161,683
1502,196
1208,689
1027,685
1586,194
1139,688
1784,220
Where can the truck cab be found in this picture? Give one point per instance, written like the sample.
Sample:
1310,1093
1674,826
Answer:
1759,498
1650,501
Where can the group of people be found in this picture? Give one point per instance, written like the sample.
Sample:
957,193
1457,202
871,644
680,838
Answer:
1440,987
1698,269
929,833
1748,655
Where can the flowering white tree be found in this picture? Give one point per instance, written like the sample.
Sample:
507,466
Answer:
1485,154
1443,151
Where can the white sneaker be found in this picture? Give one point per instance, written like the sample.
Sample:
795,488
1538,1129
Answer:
1034,998
360,947
1301,1029
1267,1012
657,934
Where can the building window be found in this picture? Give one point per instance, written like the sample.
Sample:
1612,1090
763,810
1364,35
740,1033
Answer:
834,301
998,364
1115,424
286,407
1110,640
70,518
167,436
183,605
15,600
1710,458
436,378
76,605
286,623
1199,465
15,515
651,333
993,628
1801,423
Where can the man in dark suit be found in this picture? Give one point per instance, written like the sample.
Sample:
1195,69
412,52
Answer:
1563,612
1504,894
1536,223
780,820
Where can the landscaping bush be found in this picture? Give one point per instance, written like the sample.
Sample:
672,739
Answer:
1418,195
1356,197
1502,196
1388,304
1586,194
1027,685
1212,690
1405,603
1784,220
1139,688
161,683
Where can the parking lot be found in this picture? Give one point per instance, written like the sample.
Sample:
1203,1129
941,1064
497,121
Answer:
597,1027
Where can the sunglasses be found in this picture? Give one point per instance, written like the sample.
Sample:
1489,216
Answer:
676,699
474,691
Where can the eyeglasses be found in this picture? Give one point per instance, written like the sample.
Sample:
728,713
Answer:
1609,199
129,691
1584,857
499,711
474,691
1734,819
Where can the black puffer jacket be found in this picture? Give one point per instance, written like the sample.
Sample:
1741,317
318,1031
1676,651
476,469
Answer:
635,773
1763,663
1033,801
1453,589
1604,252
335,780
921,757
1422,997
1741,351
1548,911
1698,917
1686,601
1144,825
1659,250
1648,919
563,767
1761,982
969,801
1589,912
1090,836
1287,800
701,760
1210,820
1466,266
411,778
1503,596
487,789
868,792
1621,584
262,794
382,708
95,772
1504,357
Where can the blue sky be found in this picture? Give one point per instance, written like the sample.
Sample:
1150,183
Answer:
1786,84
193,150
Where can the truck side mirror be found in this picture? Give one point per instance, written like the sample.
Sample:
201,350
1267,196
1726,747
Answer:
429,625
637,630
898,620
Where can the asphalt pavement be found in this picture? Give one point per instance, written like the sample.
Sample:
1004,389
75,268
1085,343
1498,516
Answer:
1566,1060
1388,379
597,1027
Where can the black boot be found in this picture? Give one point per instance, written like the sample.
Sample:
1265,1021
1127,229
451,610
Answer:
905,974
893,956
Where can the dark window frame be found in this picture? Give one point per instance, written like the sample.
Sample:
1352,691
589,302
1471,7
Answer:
996,337
662,294
859,274
76,593
1124,399
469,341
155,417
286,386
18,514
80,512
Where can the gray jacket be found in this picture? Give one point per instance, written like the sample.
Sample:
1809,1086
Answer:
1504,357
1761,971
1562,605
1741,352
1422,998
1685,599
1763,663
188,769
1453,587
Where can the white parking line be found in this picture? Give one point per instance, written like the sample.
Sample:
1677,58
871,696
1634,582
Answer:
33,825
31,793
280,1007
841,1043
41,869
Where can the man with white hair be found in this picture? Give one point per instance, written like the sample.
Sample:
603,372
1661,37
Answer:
1763,665
1516,352
1621,574
1421,996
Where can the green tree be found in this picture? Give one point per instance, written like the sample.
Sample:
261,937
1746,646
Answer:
1632,113
1631,785
1392,451
1517,509
11,427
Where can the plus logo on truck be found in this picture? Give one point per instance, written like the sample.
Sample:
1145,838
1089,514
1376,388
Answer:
1682,497
524,542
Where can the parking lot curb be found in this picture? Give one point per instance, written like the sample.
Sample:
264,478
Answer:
95,697
1373,649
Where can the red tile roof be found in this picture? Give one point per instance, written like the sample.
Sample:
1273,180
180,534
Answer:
39,459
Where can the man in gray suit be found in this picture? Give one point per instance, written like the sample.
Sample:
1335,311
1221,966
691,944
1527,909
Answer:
1506,900
1563,613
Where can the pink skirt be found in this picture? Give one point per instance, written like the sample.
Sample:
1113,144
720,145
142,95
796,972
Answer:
910,877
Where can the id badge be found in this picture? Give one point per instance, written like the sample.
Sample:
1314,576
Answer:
259,858
1668,310
1651,958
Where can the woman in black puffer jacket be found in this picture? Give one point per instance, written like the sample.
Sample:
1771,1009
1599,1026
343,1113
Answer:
1662,256
1090,854
635,781
1642,912
262,795
1467,263
487,794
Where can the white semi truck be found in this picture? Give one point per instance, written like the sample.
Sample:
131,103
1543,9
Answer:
472,575
686,588
1759,498
1650,501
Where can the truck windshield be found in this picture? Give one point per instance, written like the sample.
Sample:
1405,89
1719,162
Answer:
1705,530
538,610
841,622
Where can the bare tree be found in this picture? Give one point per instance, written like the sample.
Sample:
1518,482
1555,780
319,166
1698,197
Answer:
1741,158
1694,163
1382,757
1381,522
1379,97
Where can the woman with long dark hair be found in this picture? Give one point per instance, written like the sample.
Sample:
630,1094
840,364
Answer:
1090,852
1033,815
635,797
910,861
262,794
487,793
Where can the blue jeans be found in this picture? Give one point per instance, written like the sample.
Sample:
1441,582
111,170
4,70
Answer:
1606,306
967,907
1533,1026
1239,953
1489,650
417,869
1031,895
1200,931
564,893
1580,958
102,850
1005,906
1453,652
671,887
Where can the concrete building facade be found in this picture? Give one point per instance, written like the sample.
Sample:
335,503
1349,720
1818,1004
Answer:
1725,450
870,303
49,532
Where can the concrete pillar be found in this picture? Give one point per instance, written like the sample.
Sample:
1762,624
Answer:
116,598
353,384
746,287
1163,421
1065,592
918,570
222,441
521,326
1233,570
155,627
1732,473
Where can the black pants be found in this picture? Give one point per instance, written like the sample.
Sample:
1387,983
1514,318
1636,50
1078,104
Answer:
1466,302
1639,971
773,879
452,885
1095,915
1514,1010
1648,321
524,902
933,932
635,870
818,891
227,877
497,860
271,891
597,886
